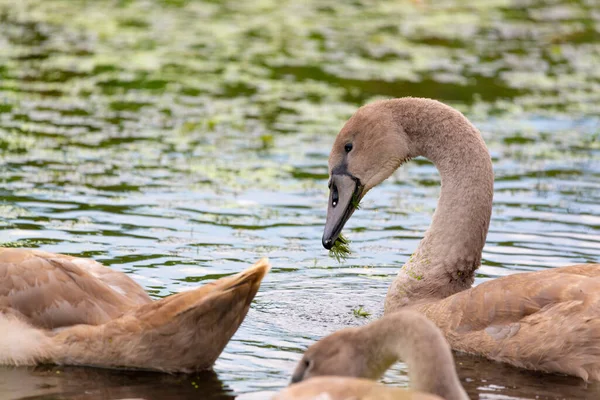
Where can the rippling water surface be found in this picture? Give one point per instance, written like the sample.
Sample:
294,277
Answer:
179,141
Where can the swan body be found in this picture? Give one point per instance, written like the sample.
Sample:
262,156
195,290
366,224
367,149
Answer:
342,388
335,368
547,320
66,310
53,290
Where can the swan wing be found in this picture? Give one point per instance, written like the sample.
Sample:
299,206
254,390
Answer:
54,290
547,320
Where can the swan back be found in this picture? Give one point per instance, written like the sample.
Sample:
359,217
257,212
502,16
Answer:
54,290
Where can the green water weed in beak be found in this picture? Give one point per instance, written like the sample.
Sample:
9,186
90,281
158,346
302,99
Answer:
341,249
355,201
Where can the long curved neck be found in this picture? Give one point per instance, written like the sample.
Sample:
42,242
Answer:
410,337
445,261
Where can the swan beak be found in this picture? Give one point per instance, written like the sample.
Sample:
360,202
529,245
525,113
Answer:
344,192
296,378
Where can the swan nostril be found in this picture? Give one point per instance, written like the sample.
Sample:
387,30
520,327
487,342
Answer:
335,197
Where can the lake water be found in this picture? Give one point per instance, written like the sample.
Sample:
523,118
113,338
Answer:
179,141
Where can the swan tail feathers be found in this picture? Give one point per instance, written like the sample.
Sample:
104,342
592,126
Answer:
21,343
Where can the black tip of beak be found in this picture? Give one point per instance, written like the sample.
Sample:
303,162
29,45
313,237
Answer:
295,379
327,243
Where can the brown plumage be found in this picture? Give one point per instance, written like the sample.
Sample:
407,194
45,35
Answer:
342,388
54,290
547,320
333,367
66,310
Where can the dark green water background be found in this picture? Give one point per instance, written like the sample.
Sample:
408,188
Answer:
178,141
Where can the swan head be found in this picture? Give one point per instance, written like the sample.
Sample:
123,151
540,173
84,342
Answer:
368,149
343,353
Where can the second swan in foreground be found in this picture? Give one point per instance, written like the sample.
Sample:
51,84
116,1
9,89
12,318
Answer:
331,367
73,311
547,320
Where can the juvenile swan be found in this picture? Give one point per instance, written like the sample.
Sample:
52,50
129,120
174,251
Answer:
547,320
335,363
66,310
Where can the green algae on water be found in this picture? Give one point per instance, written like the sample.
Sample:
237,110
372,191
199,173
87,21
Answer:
267,141
341,249
360,312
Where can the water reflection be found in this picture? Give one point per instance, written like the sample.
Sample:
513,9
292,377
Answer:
48,382
481,378
485,379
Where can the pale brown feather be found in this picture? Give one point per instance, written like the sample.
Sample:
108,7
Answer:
54,290
184,332
341,388
366,352
546,320
67,310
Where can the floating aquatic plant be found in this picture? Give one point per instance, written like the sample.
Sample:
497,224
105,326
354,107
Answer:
267,141
341,249
360,312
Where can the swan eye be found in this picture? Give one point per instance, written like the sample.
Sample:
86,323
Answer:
348,147
307,364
